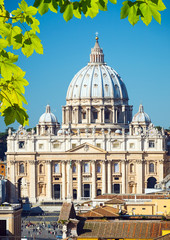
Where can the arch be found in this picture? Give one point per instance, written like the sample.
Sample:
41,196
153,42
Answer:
151,167
151,182
41,168
21,168
74,193
99,192
98,168
132,168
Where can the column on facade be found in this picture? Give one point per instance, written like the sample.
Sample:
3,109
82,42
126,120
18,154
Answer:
103,177
87,111
123,177
79,180
161,170
63,115
93,179
49,182
67,115
13,192
109,179
90,115
32,180
113,114
63,181
103,115
139,171
69,180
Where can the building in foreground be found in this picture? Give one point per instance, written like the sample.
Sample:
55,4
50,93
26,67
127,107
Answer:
100,148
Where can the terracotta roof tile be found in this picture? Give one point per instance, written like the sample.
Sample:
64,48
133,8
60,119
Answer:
124,229
101,212
67,211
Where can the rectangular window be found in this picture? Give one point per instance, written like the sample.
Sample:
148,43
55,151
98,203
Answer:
41,146
21,144
151,143
131,145
98,179
143,208
98,145
86,168
95,115
56,168
116,168
56,145
74,179
73,145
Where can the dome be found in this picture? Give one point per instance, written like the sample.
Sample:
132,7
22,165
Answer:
141,116
97,80
48,116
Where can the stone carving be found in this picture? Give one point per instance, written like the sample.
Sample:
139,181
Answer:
86,148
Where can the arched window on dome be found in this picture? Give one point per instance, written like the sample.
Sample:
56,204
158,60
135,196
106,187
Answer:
151,168
132,168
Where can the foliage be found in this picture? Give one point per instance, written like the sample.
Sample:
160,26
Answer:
3,142
18,30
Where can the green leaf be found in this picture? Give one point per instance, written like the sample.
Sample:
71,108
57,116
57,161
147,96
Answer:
36,43
23,5
53,6
31,11
125,10
133,15
68,13
77,13
3,43
13,113
147,15
113,1
43,8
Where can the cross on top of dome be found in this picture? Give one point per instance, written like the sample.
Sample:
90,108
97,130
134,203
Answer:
97,56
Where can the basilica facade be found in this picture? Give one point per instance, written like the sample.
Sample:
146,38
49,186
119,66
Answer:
100,147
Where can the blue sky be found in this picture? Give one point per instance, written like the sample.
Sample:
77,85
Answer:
140,54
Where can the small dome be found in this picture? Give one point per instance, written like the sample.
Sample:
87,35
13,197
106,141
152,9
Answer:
141,116
118,131
48,116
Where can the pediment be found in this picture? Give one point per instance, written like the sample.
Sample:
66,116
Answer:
86,148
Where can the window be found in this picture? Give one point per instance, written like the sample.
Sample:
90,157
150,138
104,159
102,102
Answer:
98,168
131,145
84,115
74,168
116,144
21,144
74,194
56,178
98,179
95,115
21,168
86,168
107,115
73,145
56,145
41,189
151,167
143,208
74,178
98,145
41,146
131,168
116,178
56,168
151,143
41,168
116,167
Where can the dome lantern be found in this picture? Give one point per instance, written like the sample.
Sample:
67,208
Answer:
96,55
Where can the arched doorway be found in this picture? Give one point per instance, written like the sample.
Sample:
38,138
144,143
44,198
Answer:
151,182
